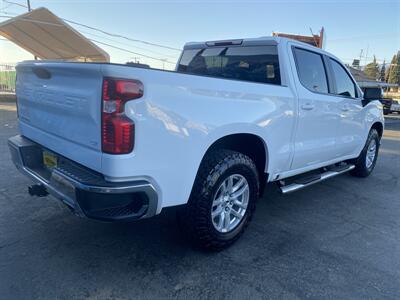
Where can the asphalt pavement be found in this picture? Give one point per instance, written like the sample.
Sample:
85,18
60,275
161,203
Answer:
339,239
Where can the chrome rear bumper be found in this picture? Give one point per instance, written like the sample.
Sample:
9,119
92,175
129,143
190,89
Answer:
83,190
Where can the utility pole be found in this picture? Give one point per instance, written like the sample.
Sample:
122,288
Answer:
366,55
361,53
163,63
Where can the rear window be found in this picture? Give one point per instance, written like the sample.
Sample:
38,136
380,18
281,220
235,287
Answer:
252,63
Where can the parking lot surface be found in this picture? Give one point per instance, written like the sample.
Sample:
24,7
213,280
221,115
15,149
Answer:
339,239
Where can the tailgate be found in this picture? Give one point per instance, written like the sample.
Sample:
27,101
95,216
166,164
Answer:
59,107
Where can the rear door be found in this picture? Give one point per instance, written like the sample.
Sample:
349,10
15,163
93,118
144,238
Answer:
318,117
351,126
59,107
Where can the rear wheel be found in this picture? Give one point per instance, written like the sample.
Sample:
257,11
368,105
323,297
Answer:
222,200
365,163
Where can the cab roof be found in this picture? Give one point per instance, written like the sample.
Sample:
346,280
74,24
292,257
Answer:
261,41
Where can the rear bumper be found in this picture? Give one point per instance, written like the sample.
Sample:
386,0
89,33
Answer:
83,190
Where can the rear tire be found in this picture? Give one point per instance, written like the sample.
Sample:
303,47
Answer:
366,162
211,202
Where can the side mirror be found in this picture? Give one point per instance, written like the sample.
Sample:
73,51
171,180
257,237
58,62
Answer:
372,94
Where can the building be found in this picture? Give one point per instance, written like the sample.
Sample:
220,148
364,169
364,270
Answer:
313,40
365,81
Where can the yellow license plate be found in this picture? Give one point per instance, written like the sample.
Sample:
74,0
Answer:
49,160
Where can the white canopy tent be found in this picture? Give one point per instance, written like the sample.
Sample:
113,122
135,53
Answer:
48,37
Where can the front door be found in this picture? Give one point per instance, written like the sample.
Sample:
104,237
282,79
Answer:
351,129
318,120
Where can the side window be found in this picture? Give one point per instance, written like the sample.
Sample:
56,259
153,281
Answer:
311,70
344,85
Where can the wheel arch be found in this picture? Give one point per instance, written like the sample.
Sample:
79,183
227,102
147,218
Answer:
249,144
379,127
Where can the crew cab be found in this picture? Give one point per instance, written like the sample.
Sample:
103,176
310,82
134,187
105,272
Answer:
120,143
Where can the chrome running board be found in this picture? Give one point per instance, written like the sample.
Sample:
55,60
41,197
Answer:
285,189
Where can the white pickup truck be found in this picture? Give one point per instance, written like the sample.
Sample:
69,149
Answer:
120,143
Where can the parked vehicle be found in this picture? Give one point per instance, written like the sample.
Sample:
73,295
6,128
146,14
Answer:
119,143
395,106
377,93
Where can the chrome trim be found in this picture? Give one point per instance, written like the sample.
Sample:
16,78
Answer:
326,175
17,142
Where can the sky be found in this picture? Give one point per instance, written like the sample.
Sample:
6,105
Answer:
350,26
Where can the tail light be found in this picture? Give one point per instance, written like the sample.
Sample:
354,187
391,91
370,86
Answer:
117,130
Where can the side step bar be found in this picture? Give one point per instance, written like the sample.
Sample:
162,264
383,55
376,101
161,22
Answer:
285,189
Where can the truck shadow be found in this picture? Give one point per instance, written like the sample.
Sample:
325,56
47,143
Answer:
291,239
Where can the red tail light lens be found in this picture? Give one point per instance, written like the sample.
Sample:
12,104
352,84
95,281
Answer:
118,131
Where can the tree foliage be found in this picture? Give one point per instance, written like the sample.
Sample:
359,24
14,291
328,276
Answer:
372,69
394,71
383,72
393,61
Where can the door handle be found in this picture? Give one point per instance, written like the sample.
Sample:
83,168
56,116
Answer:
307,106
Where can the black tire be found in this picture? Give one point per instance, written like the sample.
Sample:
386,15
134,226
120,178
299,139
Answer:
195,217
361,169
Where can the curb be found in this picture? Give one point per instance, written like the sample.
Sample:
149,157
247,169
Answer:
7,98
